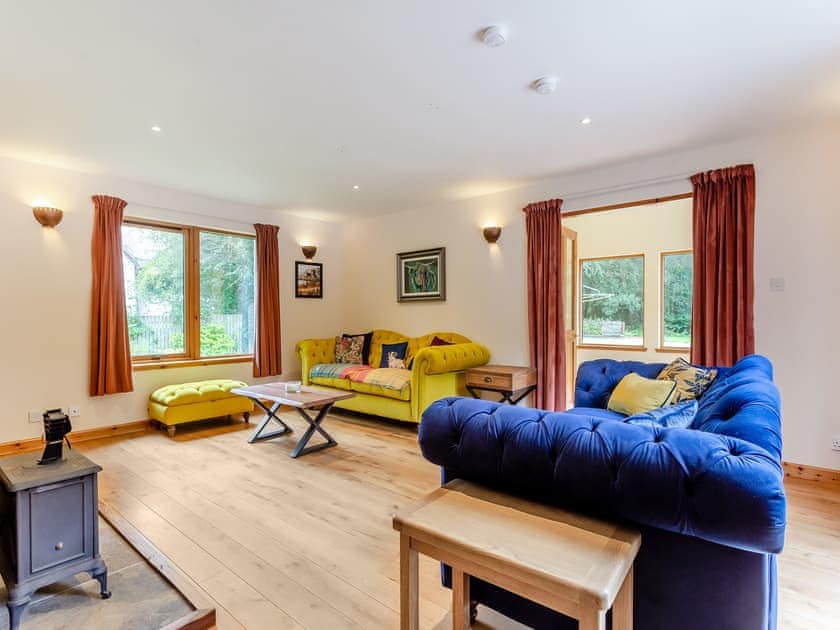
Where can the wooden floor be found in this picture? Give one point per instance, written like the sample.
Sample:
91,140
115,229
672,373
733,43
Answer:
308,543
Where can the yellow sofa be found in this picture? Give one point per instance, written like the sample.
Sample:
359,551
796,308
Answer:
436,372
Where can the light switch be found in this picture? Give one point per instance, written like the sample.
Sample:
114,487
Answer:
777,284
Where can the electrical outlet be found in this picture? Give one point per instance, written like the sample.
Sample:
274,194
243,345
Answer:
35,415
835,443
777,284
73,411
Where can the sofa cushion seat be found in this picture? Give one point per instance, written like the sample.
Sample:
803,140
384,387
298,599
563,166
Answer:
326,381
381,390
388,382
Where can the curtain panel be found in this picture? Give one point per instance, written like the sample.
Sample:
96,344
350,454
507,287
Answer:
722,328
546,327
267,346
110,354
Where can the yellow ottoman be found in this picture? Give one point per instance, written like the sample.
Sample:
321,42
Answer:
187,402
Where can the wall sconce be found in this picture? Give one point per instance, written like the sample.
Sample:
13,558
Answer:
48,217
492,234
308,251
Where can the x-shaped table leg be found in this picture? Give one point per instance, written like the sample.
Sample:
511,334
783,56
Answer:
314,425
270,414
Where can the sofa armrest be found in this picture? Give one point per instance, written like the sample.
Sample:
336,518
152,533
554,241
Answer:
312,352
714,487
453,358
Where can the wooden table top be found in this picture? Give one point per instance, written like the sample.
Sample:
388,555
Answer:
19,472
544,546
308,396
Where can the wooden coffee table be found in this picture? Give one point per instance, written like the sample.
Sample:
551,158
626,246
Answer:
316,398
573,564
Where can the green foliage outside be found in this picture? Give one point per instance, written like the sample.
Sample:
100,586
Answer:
226,290
678,287
612,290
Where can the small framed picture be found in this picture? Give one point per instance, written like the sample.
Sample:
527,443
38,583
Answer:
309,280
421,275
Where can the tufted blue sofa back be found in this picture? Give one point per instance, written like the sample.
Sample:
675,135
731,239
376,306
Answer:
720,481
597,379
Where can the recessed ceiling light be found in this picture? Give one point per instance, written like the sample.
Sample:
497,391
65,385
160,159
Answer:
585,121
355,187
494,36
544,85
156,129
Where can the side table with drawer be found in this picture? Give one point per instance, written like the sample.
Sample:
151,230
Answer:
49,527
512,382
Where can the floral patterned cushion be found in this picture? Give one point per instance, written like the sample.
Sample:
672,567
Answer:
349,349
691,381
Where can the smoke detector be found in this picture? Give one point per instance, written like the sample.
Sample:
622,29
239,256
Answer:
494,36
544,85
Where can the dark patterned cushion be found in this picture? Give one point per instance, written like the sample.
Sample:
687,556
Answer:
393,354
365,345
349,349
691,380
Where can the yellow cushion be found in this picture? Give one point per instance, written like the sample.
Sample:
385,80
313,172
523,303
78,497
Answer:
326,381
635,394
691,381
191,393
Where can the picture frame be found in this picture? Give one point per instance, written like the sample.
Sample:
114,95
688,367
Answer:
421,275
309,279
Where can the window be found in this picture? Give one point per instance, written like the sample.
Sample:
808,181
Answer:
612,300
677,283
189,292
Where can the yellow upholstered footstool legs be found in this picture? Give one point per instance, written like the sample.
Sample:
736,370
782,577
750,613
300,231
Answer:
188,402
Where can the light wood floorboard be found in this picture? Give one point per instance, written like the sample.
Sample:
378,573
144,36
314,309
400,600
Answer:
308,543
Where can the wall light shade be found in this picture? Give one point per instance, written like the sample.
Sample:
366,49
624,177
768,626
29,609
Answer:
308,251
48,217
492,234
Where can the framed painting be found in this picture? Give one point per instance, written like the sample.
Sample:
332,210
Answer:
421,275
309,279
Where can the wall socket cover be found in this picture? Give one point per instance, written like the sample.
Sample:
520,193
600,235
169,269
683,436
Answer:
35,415
73,411
835,443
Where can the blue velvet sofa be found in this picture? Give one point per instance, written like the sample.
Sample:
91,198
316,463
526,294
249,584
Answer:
708,499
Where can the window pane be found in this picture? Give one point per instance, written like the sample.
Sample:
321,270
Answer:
612,301
676,299
153,265
227,294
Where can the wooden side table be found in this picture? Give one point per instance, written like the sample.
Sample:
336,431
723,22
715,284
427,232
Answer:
513,382
573,564
49,528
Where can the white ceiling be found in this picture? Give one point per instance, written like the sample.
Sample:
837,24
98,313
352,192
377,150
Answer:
289,104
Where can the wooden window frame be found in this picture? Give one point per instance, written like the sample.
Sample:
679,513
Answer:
663,347
610,346
192,301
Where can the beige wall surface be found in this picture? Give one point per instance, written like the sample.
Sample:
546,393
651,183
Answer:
797,231
646,230
45,288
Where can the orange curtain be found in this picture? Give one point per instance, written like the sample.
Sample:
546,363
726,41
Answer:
545,302
722,329
267,347
110,355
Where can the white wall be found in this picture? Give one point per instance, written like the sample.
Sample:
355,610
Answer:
646,230
797,235
45,288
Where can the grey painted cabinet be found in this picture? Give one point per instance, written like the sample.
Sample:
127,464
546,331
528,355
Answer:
49,528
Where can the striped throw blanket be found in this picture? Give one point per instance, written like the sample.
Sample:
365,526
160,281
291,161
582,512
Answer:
390,378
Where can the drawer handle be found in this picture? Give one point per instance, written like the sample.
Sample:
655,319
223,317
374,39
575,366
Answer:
488,379
59,546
